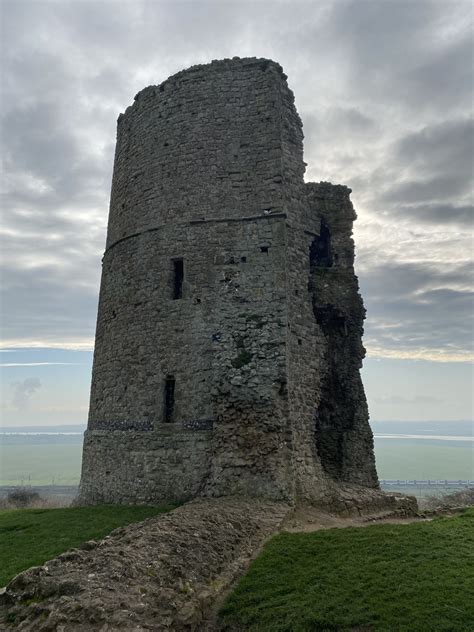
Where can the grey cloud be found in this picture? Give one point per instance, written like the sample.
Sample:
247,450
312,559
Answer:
41,142
336,121
352,120
413,306
44,67
447,296
446,78
23,391
434,166
446,145
398,280
401,52
365,76
398,399
430,189
374,27
37,141
48,304
438,214
108,83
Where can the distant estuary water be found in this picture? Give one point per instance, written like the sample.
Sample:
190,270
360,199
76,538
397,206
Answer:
405,451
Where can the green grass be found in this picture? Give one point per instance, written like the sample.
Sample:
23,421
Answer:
383,578
40,464
30,537
422,460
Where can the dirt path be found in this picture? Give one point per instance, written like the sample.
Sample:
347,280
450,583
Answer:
305,519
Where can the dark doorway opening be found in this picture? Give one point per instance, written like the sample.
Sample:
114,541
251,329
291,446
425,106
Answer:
178,276
169,398
320,250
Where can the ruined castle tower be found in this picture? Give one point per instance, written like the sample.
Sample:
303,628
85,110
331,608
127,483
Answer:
228,341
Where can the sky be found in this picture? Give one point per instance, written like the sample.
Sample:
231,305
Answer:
385,92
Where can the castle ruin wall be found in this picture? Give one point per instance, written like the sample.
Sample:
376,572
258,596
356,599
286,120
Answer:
227,349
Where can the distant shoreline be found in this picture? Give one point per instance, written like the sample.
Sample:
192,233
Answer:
462,427
416,437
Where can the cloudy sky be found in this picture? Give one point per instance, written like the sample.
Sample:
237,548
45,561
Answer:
384,88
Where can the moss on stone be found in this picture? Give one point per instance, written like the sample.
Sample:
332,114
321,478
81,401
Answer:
242,359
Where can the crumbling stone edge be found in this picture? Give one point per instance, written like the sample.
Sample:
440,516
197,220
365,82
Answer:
166,573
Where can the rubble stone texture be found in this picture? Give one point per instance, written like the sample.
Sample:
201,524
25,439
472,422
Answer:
161,574
169,572
228,341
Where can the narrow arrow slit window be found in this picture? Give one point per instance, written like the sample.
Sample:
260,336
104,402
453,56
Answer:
178,276
169,398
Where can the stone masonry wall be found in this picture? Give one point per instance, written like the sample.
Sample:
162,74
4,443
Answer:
343,436
197,177
224,362
205,143
144,467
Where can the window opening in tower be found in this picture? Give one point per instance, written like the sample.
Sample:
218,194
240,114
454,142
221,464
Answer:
169,398
320,255
178,276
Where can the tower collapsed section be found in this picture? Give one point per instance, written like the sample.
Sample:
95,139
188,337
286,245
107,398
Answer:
228,342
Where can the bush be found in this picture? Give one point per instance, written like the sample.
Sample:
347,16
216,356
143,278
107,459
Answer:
23,497
461,498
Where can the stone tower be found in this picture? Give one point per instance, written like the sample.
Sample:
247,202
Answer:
228,341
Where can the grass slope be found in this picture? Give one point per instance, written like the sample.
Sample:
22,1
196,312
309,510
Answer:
30,537
385,578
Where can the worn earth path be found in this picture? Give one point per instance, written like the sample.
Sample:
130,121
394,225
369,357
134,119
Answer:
169,572
160,574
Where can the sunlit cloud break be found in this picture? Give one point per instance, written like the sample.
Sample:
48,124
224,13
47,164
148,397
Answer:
68,345
431,355
373,351
10,364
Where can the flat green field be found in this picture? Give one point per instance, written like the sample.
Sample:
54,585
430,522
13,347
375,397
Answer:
30,537
60,463
55,464
405,459
384,578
